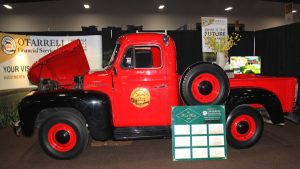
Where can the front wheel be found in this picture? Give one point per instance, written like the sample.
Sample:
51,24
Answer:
244,127
63,137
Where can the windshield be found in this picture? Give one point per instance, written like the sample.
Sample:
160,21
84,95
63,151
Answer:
113,56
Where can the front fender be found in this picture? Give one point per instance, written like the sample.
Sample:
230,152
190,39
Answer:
269,100
94,106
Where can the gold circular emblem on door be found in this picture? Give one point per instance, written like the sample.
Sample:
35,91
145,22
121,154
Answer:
140,97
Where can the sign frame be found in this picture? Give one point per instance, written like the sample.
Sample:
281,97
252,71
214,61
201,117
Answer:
199,133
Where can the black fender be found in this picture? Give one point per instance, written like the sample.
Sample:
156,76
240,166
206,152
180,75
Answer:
94,107
269,100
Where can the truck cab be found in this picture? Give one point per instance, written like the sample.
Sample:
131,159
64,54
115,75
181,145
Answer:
140,82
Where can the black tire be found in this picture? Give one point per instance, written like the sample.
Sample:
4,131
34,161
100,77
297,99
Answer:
63,136
244,127
204,83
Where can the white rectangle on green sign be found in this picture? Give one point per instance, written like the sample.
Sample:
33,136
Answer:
199,129
200,153
216,140
198,132
182,141
217,152
199,141
215,129
182,130
182,153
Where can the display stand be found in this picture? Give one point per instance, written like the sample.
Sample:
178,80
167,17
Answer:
198,132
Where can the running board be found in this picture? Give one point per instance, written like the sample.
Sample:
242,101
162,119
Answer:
132,133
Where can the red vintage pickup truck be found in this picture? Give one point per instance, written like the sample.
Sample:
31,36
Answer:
133,96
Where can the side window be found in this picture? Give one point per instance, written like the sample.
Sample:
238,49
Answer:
128,58
142,57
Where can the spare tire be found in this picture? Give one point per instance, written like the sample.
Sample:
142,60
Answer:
204,83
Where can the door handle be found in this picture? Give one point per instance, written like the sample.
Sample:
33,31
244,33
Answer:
160,86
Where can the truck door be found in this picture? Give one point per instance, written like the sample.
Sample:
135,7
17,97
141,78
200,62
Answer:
140,88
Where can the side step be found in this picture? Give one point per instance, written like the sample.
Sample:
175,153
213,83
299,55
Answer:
131,133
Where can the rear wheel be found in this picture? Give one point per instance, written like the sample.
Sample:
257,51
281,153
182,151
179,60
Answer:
204,84
244,127
63,136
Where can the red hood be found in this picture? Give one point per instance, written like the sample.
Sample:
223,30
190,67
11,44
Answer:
60,65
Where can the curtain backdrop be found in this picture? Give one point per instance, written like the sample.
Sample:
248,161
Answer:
279,49
188,48
245,47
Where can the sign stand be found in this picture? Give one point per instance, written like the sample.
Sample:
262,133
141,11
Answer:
198,132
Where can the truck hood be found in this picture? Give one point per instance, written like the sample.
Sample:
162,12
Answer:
60,65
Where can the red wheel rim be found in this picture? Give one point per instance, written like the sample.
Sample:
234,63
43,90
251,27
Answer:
212,94
243,128
69,135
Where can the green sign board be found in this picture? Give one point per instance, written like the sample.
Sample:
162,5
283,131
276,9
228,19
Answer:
198,132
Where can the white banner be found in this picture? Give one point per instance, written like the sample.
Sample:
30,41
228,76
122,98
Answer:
19,52
212,26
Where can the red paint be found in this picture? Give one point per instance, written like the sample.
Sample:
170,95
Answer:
156,57
247,135
55,144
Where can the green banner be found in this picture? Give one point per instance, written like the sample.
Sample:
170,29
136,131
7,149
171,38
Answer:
198,132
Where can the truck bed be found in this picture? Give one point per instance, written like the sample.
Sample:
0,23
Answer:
282,87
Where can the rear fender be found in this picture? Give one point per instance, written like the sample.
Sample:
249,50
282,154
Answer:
269,100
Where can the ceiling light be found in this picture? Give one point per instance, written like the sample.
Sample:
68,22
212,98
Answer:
228,8
161,7
294,11
8,6
86,6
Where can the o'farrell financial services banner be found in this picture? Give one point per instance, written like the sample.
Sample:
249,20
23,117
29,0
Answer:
19,52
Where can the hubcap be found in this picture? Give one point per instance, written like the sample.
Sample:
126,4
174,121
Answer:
205,87
62,137
243,127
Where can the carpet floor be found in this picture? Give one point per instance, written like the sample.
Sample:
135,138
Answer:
279,148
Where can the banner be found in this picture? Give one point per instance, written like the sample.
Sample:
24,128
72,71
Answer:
212,26
19,52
